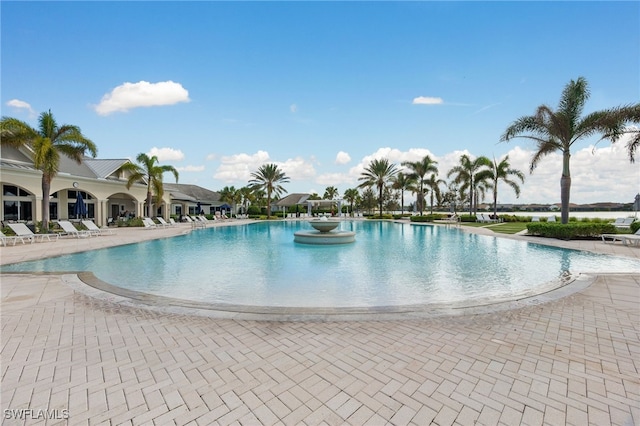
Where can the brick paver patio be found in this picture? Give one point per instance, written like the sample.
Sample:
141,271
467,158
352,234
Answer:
572,361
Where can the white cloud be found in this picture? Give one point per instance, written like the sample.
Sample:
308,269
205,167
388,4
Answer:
297,168
18,104
211,157
190,169
598,174
141,94
166,154
238,168
427,100
334,179
293,108
342,158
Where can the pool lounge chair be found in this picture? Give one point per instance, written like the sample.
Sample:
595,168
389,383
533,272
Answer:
94,230
4,239
21,230
69,229
149,223
626,239
163,222
623,222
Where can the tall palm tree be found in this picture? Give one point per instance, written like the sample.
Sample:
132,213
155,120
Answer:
246,197
351,195
502,171
558,130
378,173
419,171
433,183
330,193
403,182
469,174
269,178
152,173
230,195
48,142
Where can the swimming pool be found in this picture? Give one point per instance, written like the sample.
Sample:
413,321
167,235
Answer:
390,264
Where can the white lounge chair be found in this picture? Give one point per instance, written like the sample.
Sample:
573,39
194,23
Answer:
172,222
94,230
535,219
70,229
551,219
149,223
21,230
623,222
626,239
163,222
4,239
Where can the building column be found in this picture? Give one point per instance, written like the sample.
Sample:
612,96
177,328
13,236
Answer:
37,210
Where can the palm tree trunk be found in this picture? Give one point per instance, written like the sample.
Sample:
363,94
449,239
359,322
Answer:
495,200
565,188
268,204
380,199
46,188
149,201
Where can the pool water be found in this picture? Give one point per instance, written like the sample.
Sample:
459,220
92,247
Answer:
389,264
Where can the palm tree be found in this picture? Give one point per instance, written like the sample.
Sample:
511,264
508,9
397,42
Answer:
246,197
558,130
501,172
230,195
269,178
152,173
378,173
47,143
351,195
330,193
403,182
420,169
469,174
434,185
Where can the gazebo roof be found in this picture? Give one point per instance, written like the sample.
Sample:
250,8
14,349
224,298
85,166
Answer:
292,200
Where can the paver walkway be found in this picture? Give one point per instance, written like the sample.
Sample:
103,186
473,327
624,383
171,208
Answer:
571,361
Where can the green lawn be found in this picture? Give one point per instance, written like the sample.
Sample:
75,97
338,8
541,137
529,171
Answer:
502,228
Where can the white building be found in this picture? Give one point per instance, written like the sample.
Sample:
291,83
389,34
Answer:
99,181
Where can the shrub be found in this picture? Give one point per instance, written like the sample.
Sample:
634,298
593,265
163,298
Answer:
635,226
570,230
254,210
467,218
427,218
377,216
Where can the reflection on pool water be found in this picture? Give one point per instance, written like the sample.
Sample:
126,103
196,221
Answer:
389,264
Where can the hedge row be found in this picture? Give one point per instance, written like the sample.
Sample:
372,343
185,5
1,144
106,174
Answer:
569,230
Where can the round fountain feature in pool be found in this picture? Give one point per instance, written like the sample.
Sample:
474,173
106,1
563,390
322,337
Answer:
324,233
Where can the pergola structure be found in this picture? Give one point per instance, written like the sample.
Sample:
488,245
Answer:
319,203
302,199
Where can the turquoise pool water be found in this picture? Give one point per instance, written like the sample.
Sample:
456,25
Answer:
389,264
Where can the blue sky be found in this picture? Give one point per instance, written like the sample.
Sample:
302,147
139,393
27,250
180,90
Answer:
218,88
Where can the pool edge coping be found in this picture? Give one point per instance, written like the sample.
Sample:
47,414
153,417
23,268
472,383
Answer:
88,284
